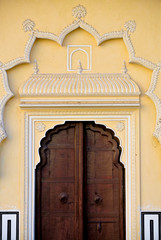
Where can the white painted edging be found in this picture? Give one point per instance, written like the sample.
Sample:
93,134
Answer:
124,34
30,167
13,219
79,47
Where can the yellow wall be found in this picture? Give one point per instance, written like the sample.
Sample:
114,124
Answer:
53,16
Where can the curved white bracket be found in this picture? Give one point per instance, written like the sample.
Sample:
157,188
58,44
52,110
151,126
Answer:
6,94
157,101
79,23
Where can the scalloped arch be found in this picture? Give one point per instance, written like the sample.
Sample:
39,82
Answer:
129,27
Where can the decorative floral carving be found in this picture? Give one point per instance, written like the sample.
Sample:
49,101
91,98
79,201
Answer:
28,25
130,25
120,126
40,127
79,11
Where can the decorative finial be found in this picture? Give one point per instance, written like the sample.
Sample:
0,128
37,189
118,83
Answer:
124,68
80,69
36,69
130,26
79,11
28,25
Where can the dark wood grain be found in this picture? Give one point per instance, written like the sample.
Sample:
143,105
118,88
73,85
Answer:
105,180
79,184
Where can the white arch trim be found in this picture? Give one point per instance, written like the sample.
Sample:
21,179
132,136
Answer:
79,49
128,150
124,34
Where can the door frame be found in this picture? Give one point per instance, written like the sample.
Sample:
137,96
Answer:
128,134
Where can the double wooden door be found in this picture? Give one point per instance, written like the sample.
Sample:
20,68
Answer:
79,184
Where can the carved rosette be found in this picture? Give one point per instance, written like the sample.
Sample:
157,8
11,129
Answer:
120,126
79,11
40,127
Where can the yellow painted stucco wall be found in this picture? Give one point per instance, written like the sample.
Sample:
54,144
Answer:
105,16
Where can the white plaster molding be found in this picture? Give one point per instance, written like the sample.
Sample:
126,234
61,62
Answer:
93,84
38,103
79,48
25,58
131,51
133,180
49,90
28,25
129,150
6,94
156,100
120,126
40,127
79,12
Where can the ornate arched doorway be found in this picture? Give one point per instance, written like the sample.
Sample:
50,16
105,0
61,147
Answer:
80,184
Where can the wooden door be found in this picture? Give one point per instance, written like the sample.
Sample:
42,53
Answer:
79,184
104,193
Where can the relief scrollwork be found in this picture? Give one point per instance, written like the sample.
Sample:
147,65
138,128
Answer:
156,98
78,13
5,95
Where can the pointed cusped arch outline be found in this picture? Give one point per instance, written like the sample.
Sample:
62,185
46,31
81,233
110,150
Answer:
129,27
82,50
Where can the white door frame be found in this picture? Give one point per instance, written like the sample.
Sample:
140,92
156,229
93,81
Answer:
128,158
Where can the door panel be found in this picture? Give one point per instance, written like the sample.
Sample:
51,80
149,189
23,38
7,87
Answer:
79,184
57,181
103,185
103,230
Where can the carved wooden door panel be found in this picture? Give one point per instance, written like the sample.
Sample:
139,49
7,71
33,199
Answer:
59,214
79,185
104,203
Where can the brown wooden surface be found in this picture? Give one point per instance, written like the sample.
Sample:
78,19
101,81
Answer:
79,185
104,180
